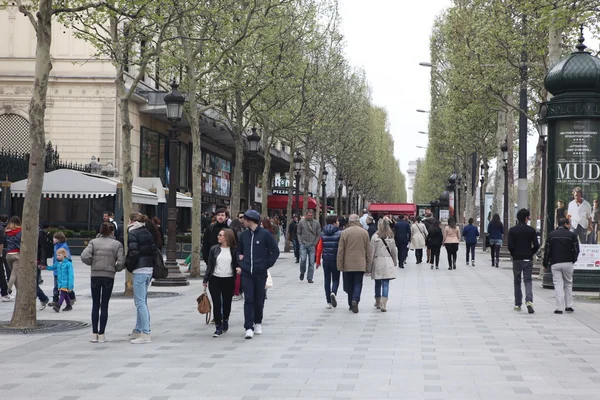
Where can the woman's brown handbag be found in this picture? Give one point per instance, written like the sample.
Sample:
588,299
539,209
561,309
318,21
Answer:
204,306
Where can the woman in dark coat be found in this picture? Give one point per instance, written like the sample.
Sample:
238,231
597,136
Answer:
435,238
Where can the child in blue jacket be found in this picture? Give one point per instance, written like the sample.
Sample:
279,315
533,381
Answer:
65,278
60,242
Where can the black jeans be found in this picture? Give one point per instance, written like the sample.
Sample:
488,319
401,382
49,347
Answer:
435,255
451,249
419,255
525,268
254,298
402,252
495,253
353,283
296,244
38,290
221,287
471,251
3,277
102,288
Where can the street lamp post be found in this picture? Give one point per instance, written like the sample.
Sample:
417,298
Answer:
253,146
298,160
504,149
349,186
174,102
356,197
482,204
340,187
324,201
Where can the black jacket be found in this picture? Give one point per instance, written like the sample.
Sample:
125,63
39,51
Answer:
522,242
260,251
372,229
140,249
562,245
41,253
435,237
293,230
212,261
211,238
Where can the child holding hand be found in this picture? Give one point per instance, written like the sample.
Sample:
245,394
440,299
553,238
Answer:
65,278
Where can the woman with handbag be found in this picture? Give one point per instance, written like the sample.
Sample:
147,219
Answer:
451,241
106,257
385,260
418,237
221,270
140,259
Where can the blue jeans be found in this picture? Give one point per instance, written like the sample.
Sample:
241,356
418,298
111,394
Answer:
382,287
307,255
140,298
332,279
353,282
471,251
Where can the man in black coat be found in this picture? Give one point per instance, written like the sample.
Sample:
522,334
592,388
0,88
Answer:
211,233
402,238
294,238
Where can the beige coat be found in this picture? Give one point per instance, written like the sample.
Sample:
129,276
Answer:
418,233
451,235
383,265
354,250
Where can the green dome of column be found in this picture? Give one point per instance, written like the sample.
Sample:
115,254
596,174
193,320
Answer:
578,74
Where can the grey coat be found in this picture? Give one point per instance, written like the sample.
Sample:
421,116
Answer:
105,255
383,265
305,235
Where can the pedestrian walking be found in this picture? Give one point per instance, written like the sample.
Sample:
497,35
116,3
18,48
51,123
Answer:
293,232
221,270
435,238
470,233
451,241
495,234
522,245
237,227
371,226
210,237
106,257
328,249
140,259
418,238
42,263
428,222
60,242
353,258
13,249
560,253
257,252
384,260
402,235
363,219
65,278
309,233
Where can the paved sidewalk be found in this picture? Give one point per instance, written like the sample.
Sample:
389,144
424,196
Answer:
447,335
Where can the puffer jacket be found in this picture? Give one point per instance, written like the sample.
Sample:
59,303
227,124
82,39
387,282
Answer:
140,248
13,240
105,255
328,245
64,274
384,263
57,246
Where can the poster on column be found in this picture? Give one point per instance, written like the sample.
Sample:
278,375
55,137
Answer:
578,183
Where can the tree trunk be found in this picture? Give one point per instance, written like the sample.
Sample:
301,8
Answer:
238,168
536,186
266,184
196,172
126,127
510,135
288,243
306,180
318,194
24,315
499,175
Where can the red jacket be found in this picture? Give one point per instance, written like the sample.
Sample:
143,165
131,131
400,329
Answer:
319,251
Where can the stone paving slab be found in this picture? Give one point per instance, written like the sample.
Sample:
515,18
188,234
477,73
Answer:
447,335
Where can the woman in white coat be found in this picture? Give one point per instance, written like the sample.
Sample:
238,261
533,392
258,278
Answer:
385,261
418,234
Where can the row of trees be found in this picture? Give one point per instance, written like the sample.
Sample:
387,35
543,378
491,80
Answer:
482,54
275,64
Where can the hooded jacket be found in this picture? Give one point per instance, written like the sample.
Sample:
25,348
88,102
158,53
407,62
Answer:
57,246
328,245
64,274
140,247
105,255
13,240
259,249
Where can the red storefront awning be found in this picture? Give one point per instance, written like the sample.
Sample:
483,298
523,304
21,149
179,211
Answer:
279,202
393,208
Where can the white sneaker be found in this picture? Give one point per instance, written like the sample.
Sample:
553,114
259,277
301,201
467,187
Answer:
143,338
94,338
258,329
7,298
249,334
473,262
328,306
101,339
131,336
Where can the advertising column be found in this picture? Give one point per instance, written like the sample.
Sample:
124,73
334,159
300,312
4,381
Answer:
577,184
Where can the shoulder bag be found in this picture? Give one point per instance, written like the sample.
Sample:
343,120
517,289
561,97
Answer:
204,306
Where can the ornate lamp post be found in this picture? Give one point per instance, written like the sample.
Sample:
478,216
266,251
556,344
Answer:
543,130
298,160
174,102
324,201
482,204
340,187
349,186
356,196
253,146
504,149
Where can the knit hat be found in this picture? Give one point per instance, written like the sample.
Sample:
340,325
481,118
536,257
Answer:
252,215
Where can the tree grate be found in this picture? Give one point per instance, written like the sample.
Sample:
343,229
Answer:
43,326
